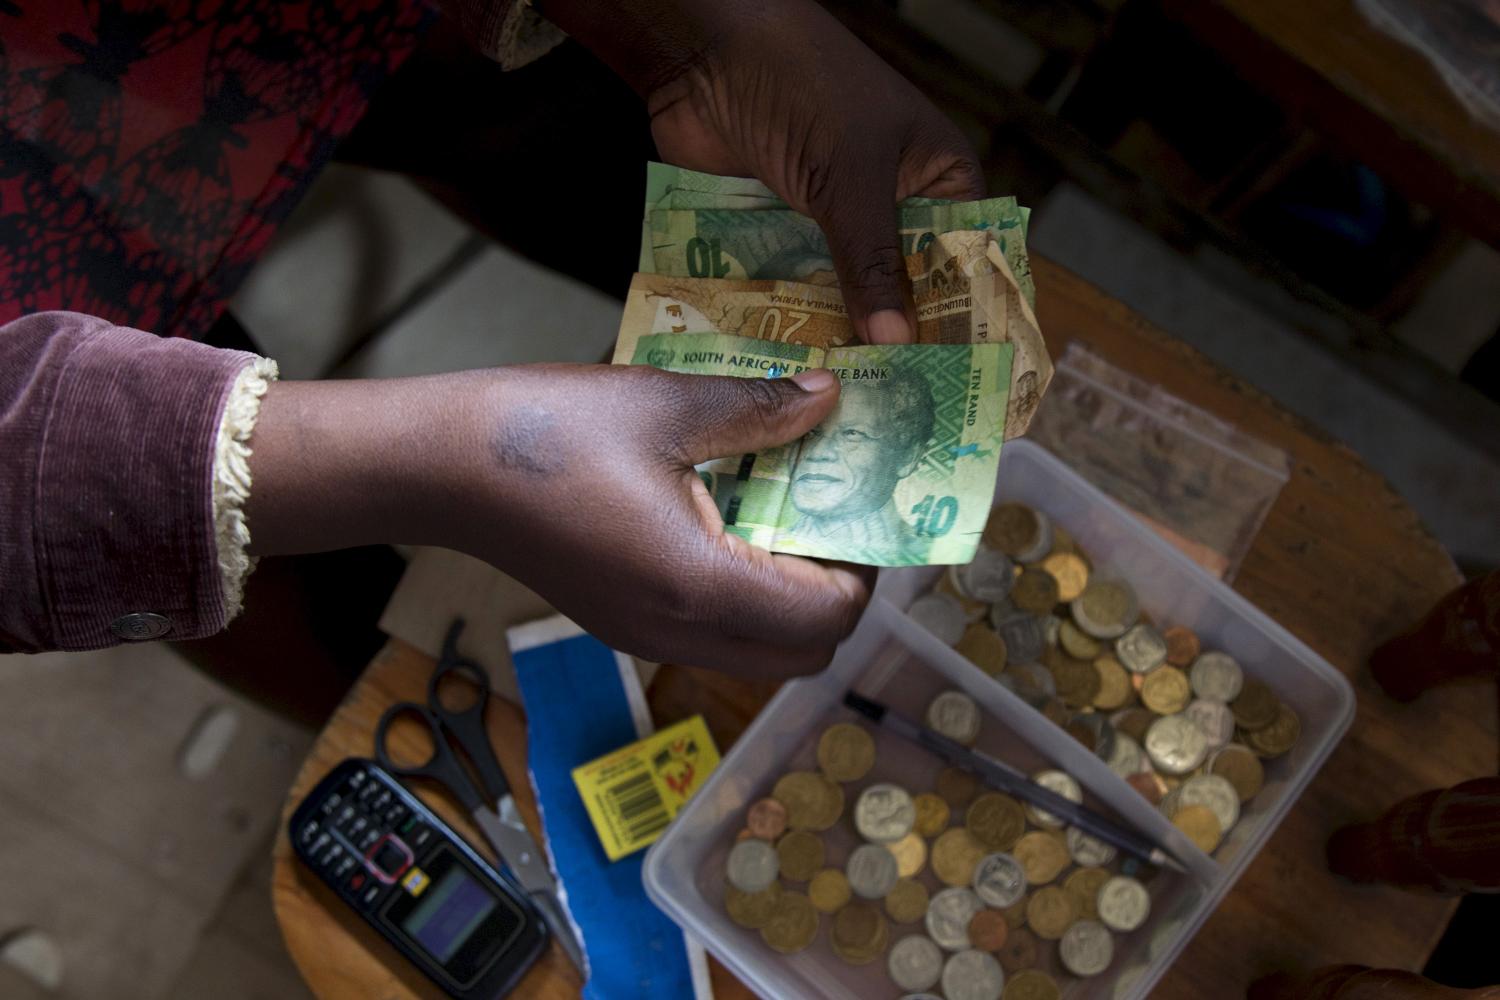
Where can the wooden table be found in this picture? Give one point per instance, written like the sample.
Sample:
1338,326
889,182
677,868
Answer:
1341,561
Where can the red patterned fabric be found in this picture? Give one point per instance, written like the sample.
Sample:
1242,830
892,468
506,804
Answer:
150,148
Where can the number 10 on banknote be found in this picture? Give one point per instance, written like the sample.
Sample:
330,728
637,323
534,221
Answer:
902,473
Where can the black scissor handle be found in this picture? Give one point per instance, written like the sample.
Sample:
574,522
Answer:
467,724
442,767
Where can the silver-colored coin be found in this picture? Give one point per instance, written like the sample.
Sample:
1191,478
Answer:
1123,904
948,916
956,581
753,865
999,880
973,975
1169,802
1088,851
1042,544
1216,676
1086,948
941,615
1214,719
884,813
1033,682
871,870
1054,781
1051,629
1141,649
1114,628
955,715
1024,634
1175,744
989,577
1216,793
915,963
1128,758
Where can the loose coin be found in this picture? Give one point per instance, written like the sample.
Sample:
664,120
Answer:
957,788
989,576
1280,736
983,647
1024,634
949,583
1213,719
1086,948
846,752
1078,643
1133,722
1030,984
940,614
907,901
1201,826
1071,573
999,880
1088,851
1035,590
1106,608
1241,768
884,813
1032,682
915,963
948,917
996,820
871,870
1166,691
1020,951
1114,684
955,715
793,923
801,855
1149,784
1126,757
973,975
1042,854
766,819
1182,645
910,853
1174,744
1084,885
1123,903
988,929
1078,682
752,865
1054,781
812,801
1141,649
858,933
955,855
1015,913
1255,707
1217,676
1214,792
828,890
1014,529
1091,729
1049,912
932,814
751,910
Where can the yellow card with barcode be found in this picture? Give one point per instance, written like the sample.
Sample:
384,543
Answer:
633,793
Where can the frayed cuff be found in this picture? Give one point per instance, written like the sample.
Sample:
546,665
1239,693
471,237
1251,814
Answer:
232,479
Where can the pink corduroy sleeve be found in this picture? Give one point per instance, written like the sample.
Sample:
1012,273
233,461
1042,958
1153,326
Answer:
107,443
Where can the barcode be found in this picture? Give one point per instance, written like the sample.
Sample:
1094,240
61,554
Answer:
639,806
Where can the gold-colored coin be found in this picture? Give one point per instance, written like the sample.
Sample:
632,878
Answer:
955,855
996,821
1077,681
1012,528
812,801
1015,913
983,647
1020,951
801,855
793,923
1031,984
1201,826
1084,885
1114,684
1182,646
910,853
1241,768
1133,722
907,901
1106,608
1077,643
846,752
1043,855
858,933
1256,706
1050,912
932,814
751,910
956,787
1035,590
1070,572
1166,690
1280,736
828,890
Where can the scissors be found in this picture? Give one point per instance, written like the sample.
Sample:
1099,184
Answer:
493,807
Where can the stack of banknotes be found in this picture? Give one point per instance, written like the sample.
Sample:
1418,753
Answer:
733,282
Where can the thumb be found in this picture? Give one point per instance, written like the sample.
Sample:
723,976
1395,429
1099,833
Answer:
859,219
727,416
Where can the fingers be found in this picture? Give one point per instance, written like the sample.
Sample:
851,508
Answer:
857,210
720,416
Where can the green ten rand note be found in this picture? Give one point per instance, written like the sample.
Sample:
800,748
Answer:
903,471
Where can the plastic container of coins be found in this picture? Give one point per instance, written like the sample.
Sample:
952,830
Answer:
893,659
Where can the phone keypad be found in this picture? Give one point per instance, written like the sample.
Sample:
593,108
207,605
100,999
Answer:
362,837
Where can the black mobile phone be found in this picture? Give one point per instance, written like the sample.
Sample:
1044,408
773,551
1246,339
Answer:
414,880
